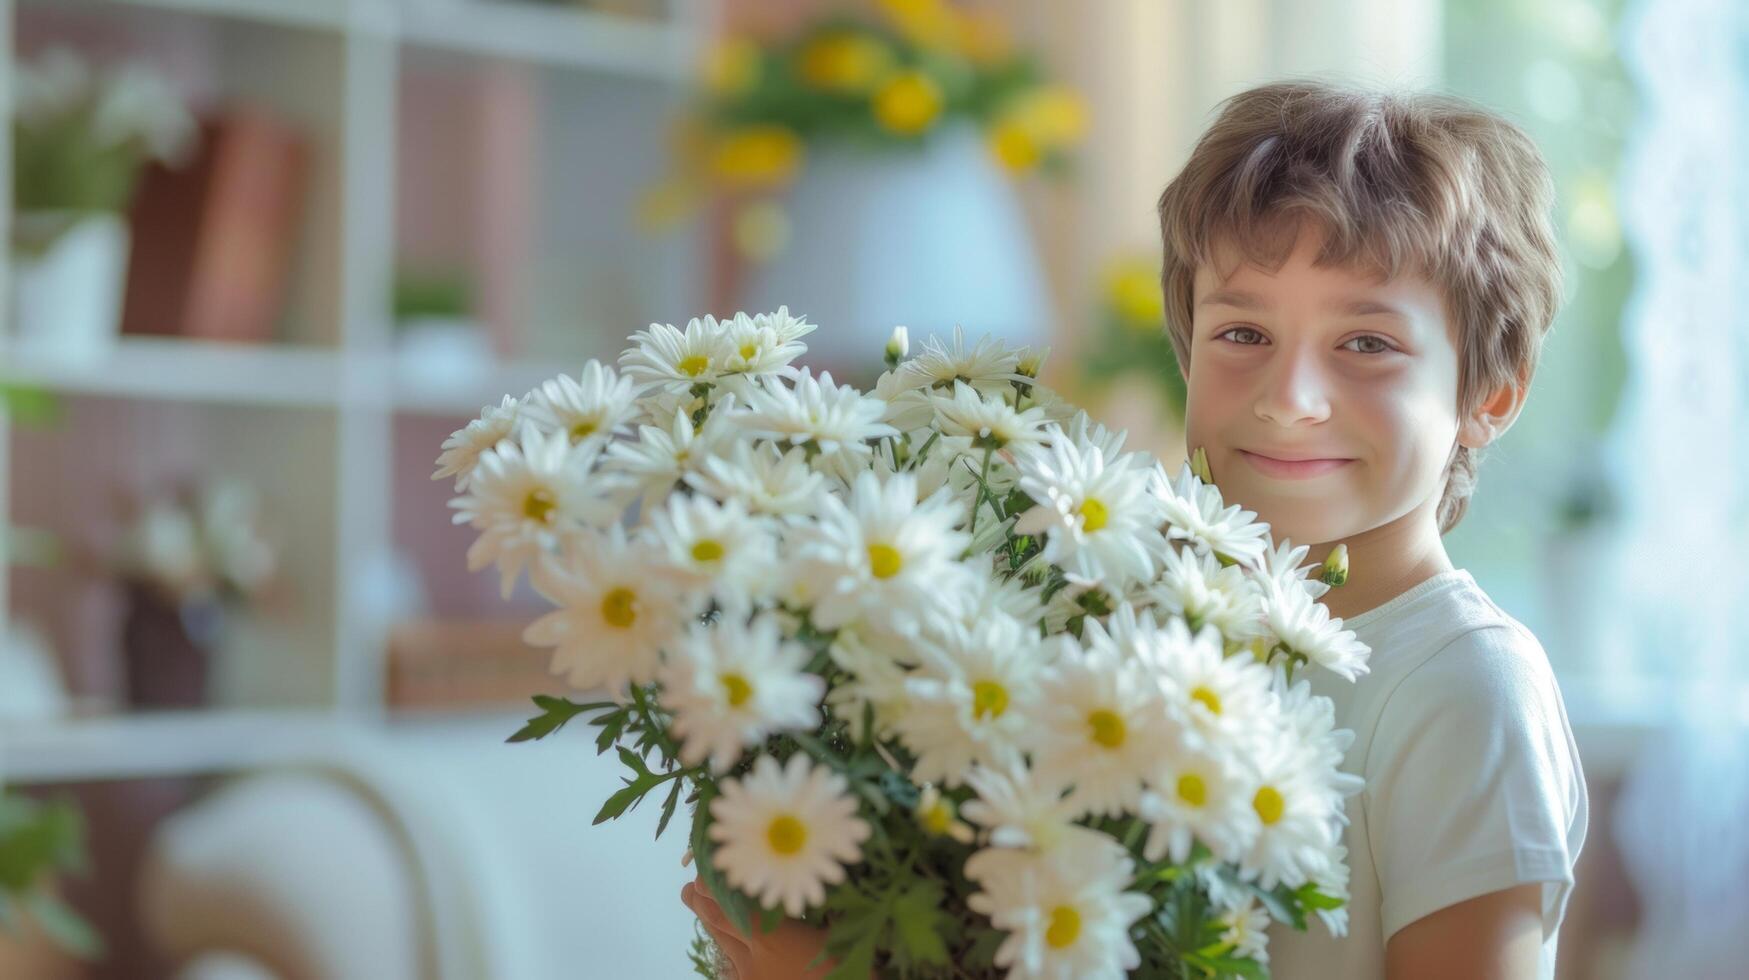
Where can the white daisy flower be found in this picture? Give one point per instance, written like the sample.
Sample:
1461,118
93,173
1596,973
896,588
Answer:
877,665
1195,512
936,815
971,698
888,556
614,617
730,685
1101,723
763,477
1244,931
1019,811
753,349
787,327
662,456
1286,565
989,421
1198,796
1067,915
526,499
1304,629
1298,819
1222,700
989,367
1310,720
1096,517
664,356
714,550
1206,593
830,420
784,834
595,405
461,451
1332,880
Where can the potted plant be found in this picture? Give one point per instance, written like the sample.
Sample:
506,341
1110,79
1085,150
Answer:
80,139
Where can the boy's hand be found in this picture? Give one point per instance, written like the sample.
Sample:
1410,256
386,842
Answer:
782,954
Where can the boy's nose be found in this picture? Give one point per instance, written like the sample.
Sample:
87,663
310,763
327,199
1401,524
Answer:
1294,393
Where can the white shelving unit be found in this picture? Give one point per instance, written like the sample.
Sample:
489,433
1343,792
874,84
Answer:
338,65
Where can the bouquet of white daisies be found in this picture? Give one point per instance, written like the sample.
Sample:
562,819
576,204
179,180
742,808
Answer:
940,667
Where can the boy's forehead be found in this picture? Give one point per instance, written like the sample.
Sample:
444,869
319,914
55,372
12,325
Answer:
1231,265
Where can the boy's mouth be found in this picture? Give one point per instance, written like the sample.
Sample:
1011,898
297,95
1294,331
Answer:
1292,469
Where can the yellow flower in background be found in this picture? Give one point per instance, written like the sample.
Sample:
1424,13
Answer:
845,62
930,23
1043,120
908,103
757,157
732,66
1013,145
1132,288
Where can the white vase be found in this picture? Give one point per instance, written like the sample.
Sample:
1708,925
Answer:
928,239
67,288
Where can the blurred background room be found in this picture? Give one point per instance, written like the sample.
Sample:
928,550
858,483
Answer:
266,254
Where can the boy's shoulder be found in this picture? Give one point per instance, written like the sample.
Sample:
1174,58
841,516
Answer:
1457,653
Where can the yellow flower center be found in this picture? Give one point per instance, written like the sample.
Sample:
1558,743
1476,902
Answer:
938,818
1269,804
1108,728
582,430
1064,929
748,351
620,608
989,698
707,550
737,688
1192,790
787,835
1209,699
1093,515
909,103
884,560
539,505
694,366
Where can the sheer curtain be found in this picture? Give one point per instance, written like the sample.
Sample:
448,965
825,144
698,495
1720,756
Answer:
1681,454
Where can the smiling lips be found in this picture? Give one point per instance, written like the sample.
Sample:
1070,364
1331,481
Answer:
1292,469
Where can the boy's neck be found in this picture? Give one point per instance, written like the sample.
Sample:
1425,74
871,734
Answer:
1386,561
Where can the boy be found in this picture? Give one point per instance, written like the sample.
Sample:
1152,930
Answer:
1357,287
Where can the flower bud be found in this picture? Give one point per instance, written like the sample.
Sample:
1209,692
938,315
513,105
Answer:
1335,570
898,345
1199,465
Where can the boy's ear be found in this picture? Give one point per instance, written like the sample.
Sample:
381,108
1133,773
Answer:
1496,413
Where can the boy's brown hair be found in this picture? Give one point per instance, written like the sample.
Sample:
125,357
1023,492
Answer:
1398,183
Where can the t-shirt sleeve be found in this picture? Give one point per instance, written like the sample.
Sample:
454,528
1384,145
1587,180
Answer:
1472,781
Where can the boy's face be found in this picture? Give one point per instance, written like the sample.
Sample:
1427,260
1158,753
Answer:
1354,379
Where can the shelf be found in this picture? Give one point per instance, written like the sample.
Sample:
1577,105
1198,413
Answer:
520,31
168,744
549,36
185,370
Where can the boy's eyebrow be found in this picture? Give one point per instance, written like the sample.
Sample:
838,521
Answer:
1236,298
1358,306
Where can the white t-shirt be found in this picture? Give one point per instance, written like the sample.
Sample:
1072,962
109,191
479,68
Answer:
1473,782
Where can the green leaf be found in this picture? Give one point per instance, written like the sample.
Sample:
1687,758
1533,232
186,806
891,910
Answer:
668,807
1310,897
919,924
858,963
64,926
734,904
612,723
554,713
1281,906
634,790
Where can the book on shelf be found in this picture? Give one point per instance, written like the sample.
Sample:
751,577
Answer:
213,238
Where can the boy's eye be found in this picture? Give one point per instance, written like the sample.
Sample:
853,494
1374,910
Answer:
1368,345
1248,336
